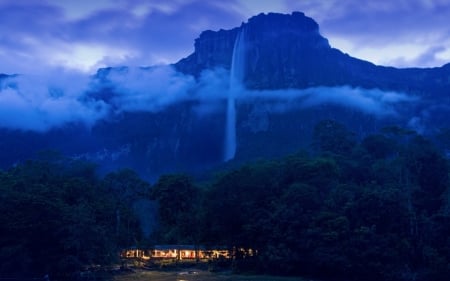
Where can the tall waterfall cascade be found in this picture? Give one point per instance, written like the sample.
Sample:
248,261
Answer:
237,72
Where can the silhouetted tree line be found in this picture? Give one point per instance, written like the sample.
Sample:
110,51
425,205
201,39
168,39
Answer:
349,209
58,217
375,208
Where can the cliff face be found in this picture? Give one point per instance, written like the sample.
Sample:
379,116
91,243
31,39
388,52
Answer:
212,49
287,51
281,52
264,35
272,40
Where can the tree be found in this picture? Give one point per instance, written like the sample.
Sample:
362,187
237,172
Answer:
129,192
177,199
429,170
329,136
55,219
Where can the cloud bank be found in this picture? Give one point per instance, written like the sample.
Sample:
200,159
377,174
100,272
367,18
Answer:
85,34
39,103
370,101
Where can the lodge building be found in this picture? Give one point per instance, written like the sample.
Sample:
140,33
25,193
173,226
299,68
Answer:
181,252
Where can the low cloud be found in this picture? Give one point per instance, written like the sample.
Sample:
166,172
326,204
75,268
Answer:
151,89
428,117
370,101
41,103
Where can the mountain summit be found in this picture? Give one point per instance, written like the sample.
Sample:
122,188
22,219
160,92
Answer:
296,32
287,51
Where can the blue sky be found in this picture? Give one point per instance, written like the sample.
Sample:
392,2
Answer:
82,35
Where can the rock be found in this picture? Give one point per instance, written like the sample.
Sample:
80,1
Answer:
288,51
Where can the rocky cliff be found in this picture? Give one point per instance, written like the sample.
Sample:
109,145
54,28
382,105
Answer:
287,51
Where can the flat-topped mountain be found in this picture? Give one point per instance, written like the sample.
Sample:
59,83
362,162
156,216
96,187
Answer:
287,51
162,119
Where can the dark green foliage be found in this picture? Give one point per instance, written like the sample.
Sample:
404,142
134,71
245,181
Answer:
333,137
178,201
429,172
370,210
126,189
379,146
375,209
237,204
58,217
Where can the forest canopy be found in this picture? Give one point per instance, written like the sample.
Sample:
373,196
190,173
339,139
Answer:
371,208
375,208
59,217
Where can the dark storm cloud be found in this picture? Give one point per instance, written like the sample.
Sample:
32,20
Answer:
428,57
85,35
391,32
23,25
44,33
383,18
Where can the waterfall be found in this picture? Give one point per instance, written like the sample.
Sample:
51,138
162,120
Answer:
236,85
